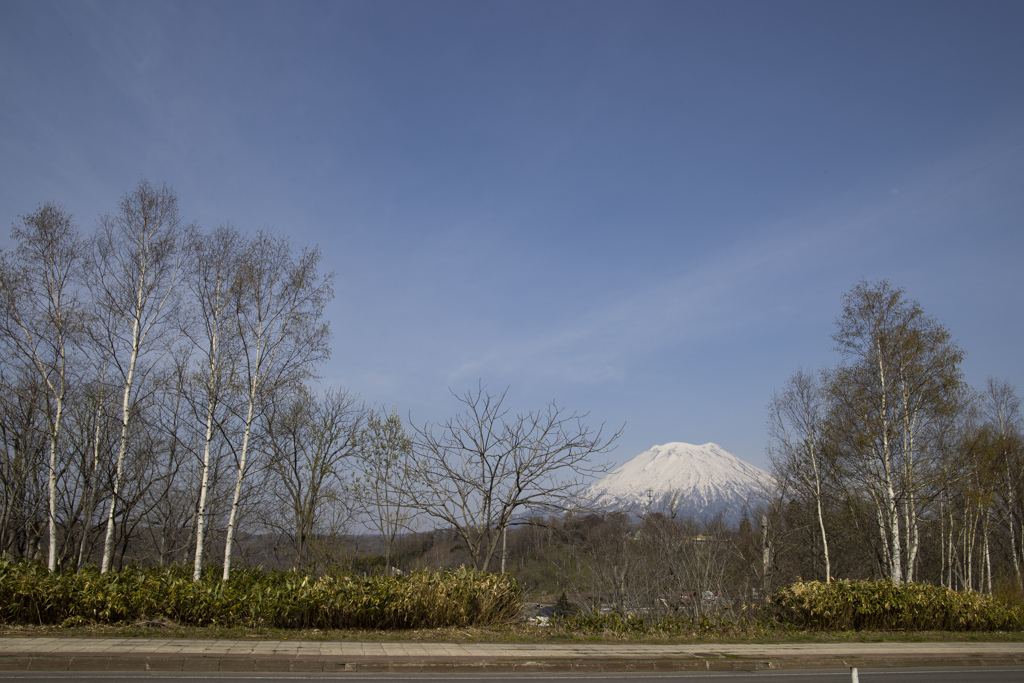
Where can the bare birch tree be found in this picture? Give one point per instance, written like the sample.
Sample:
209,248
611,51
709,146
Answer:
212,282
277,314
133,275
40,315
795,418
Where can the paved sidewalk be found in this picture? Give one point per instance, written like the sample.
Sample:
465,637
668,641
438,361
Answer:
182,654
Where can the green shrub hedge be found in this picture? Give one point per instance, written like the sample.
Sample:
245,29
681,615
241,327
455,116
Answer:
256,598
873,605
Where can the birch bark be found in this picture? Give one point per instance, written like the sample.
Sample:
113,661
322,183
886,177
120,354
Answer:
133,277
212,284
40,317
276,313
899,384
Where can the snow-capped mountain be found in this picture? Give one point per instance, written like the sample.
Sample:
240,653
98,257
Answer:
684,479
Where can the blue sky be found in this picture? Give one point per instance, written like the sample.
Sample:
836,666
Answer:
645,210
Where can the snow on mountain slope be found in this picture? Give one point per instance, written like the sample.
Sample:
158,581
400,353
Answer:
689,480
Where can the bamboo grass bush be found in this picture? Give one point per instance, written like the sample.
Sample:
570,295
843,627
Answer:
882,605
254,598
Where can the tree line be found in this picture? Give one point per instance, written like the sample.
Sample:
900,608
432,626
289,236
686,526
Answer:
157,405
886,466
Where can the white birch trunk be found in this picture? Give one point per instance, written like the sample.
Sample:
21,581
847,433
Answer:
766,556
824,542
970,524
895,554
197,567
883,533
913,538
988,556
52,488
108,542
821,514
233,519
204,482
1011,513
891,511
951,555
942,545
1016,528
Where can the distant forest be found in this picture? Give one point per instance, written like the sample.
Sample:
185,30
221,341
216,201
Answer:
159,406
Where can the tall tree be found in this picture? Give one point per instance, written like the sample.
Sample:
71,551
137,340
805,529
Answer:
795,421
277,311
212,281
135,269
899,385
39,317
477,469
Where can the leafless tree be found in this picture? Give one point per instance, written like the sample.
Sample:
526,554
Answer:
656,566
795,421
310,439
39,318
212,281
694,558
607,564
134,272
277,310
477,470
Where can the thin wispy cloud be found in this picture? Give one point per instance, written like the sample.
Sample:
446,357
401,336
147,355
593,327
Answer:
651,211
